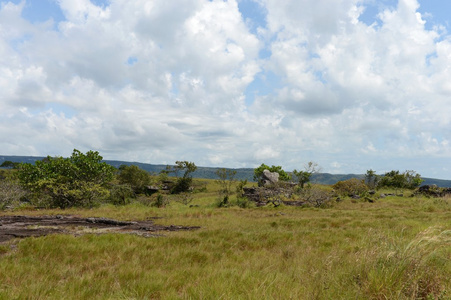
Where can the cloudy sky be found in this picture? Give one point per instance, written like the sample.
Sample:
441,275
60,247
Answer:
348,84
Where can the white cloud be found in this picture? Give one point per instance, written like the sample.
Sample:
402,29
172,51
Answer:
163,80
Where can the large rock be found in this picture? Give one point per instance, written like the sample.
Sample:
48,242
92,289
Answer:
269,178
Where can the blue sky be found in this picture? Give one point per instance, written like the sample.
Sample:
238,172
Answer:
349,84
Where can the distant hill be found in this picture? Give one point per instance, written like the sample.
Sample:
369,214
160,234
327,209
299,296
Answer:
241,174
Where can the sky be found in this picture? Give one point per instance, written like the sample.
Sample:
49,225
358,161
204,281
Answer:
352,85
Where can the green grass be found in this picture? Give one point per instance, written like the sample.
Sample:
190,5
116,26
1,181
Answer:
395,248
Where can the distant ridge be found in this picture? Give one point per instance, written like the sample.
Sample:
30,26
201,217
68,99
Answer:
210,172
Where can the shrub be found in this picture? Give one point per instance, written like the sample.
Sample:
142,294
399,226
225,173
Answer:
243,202
315,196
395,179
121,194
137,178
160,201
64,182
350,187
10,193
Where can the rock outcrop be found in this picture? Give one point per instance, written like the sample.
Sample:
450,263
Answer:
269,178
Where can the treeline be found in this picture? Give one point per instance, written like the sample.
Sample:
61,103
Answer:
84,180
210,172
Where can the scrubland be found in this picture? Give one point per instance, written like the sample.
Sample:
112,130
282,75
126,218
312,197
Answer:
394,248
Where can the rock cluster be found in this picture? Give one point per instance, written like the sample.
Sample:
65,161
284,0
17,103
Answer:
433,191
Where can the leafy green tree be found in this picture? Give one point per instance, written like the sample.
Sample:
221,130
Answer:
283,176
137,178
396,179
64,182
304,176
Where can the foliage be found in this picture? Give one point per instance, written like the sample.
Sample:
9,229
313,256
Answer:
315,196
121,194
10,164
76,181
11,193
390,249
181,166
183,183
226,180
283,176
243,202
184,198
137,178
409,179
350,187
304,176
160,201
371,179
240,187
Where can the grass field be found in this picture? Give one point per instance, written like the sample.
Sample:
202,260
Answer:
395,248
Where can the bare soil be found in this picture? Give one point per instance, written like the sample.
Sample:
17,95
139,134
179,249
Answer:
26,226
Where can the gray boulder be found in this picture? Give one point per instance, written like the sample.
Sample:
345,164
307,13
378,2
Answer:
269,178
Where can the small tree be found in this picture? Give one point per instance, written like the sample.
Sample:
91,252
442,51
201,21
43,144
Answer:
303,177
226,180
183,183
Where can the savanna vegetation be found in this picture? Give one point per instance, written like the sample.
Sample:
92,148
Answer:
365,241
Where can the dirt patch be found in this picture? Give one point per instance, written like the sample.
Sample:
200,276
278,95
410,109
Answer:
24,226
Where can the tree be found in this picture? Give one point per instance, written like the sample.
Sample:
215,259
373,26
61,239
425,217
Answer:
303,177
371,179
395,179
64,182
137,178
283,176
226,180
183,183
9,164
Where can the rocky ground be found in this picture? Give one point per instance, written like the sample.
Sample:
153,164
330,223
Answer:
26,226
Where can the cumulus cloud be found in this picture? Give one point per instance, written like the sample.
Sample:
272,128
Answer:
159,81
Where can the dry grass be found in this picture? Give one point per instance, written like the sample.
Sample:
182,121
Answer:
396,248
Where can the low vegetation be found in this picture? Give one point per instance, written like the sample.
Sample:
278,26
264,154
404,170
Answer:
353,240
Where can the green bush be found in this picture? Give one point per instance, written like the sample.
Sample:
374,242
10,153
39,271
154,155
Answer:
137,178
350,187
121,194
65,182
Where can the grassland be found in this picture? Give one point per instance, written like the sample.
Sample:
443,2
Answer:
395,248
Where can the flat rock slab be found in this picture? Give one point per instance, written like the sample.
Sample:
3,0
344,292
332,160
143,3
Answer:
26,226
